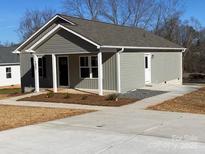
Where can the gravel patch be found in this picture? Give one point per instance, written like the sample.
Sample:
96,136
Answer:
141,94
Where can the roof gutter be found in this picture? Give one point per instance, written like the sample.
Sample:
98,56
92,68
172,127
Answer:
145,48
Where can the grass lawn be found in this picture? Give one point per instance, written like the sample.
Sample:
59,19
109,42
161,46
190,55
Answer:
17,116
10,91
84,99
193,102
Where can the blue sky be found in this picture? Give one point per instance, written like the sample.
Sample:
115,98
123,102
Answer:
11,12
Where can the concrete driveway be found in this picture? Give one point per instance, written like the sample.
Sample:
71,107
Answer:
127,129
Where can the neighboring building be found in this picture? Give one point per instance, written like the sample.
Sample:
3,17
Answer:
77,53
9,67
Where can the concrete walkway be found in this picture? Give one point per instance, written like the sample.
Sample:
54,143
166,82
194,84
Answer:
127,129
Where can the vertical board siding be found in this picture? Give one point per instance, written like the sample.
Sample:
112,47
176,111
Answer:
27,80
29,44
109,73
132,71
64,42
165,66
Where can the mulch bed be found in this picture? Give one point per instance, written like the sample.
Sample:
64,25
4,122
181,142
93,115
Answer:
84,99
193,102
17,116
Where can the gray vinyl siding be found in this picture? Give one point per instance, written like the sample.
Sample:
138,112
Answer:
64,42
109,73
27,80
30,43
26,75
165,66
132,71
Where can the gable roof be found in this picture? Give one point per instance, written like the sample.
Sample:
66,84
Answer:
107,35
7,57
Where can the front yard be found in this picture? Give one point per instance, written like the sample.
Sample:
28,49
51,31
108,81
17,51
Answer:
17,116
9,92
84,99
192,103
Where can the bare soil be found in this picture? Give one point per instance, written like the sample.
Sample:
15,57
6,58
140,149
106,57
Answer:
193,102
17,116
84,99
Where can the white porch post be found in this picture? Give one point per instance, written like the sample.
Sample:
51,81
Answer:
181,69
54,73
100,74
118,72
35,60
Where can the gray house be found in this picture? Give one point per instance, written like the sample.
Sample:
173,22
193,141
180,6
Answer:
76,53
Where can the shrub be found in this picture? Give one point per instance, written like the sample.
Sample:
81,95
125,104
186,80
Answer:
50,94
67,96
84,97
112,97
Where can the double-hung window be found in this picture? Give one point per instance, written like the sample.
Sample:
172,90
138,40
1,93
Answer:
41,67
88,67
8,72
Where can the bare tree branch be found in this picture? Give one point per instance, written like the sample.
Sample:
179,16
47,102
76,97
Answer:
32,21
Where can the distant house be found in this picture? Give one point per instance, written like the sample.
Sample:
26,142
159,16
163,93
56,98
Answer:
75,53
9,67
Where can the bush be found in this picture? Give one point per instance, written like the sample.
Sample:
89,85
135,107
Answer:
112,97
67,96
50,94
84,97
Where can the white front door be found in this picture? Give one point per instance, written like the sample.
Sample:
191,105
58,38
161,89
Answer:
147,65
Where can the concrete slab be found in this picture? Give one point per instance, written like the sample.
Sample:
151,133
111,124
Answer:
127,129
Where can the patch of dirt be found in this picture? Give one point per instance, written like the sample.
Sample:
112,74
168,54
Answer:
17,116
193,102
84,99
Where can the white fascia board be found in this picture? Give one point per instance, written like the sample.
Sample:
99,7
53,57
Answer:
146,48
50,21
16,52
59,26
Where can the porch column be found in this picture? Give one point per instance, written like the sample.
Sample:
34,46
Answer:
118,72
36,73
54,73
100,74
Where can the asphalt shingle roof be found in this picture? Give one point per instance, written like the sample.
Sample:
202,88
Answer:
115,35
6,55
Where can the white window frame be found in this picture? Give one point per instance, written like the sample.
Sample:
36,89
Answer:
10,72
89,66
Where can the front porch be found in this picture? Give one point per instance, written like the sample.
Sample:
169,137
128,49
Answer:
93,73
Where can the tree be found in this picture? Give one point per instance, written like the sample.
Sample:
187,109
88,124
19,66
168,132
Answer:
89,9
32,20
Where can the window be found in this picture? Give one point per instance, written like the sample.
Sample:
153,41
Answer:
88,67
146,62
41,67
8,72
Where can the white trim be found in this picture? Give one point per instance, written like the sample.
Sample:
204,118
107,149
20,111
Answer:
54,73
59,72
100,74
16,52
89,66
9,64
50,21
73,53
149,55
133,47
181,68
36,73
54,30
118,70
